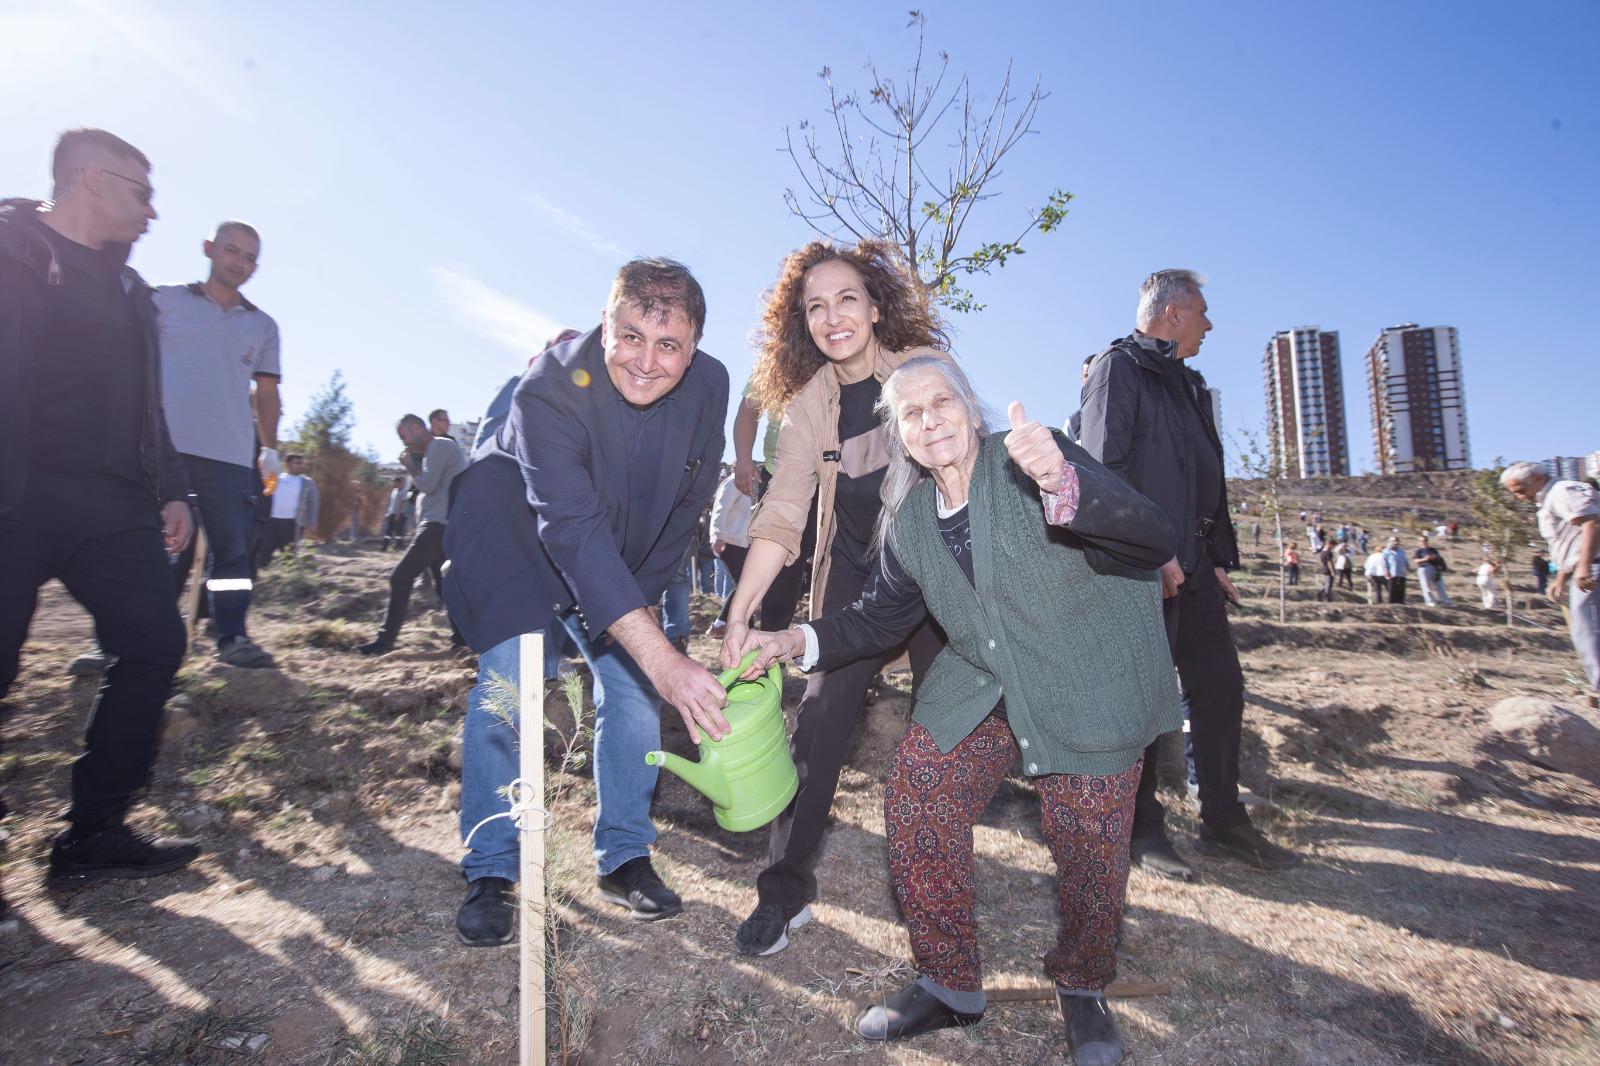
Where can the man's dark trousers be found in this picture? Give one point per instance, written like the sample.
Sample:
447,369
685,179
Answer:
279,534
1397,589
225,494
426,552
101,536
1208,668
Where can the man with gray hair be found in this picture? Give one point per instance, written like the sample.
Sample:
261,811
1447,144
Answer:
578,513
1149,417
219,382
1567,520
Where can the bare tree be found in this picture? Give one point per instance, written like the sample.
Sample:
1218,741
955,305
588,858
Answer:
1505,523
1259,463
876,174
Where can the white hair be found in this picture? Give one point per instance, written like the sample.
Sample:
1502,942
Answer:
904,472
1517,473
1166,287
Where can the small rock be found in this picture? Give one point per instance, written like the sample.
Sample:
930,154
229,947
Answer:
234,888
1035,879
1505,1023
324,873
454,756
1549,734
502,996
180,702
179,723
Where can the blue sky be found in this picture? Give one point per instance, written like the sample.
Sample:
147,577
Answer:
440,187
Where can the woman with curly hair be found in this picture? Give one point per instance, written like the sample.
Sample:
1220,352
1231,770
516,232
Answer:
836,324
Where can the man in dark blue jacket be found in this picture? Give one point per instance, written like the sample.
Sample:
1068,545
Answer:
1148,416
91,491
580,513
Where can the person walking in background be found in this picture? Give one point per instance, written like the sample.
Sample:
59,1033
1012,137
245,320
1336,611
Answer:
1569,521
730,538
1362,539
439,423
1485,581
1148,416
394,515
836,324
1343,566
92,492
442,461
1395,565
1541,571
1431,569
705,559
1377,577
1255,533
292,510
1325,569
1291,563
219,385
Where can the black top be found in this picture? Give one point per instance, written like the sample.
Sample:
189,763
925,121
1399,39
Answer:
956,531
862,463
1206,468
88,368
645,430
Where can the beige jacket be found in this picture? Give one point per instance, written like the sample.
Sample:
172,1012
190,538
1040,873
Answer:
810,428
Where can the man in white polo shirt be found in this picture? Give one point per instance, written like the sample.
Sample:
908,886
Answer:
293,508
1569,521
220,374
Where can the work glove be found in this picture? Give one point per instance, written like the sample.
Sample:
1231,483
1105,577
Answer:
268,462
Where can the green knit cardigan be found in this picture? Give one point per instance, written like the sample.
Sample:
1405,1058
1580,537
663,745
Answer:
1075,643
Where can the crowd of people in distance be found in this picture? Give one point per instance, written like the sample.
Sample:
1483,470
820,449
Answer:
1061,598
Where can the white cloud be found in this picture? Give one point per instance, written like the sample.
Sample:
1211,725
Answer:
491,313
577,227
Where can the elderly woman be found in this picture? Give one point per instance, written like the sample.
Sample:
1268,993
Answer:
1039,564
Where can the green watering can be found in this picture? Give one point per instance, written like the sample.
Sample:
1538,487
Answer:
748,775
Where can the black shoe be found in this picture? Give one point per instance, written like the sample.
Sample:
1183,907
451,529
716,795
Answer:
910,1012
1092,1033
634,885
1245,843
379,646
118,851
1153,852
488,916
766,931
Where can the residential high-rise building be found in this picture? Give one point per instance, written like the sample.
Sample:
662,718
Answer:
1565,467
1419,403
1305,403
1591,465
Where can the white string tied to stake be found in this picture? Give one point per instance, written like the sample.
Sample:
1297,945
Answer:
523,802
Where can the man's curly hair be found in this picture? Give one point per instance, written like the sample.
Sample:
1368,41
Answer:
789,357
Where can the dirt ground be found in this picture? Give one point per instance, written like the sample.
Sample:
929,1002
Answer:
1447,911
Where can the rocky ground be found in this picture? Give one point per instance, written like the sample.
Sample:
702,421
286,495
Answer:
1446,913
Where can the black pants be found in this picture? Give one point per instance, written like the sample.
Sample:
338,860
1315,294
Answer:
277,535
1397,589
394,530
1209,673
426,552
733,556
824,723
101,536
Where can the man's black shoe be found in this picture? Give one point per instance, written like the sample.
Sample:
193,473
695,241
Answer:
634,885
377,647
1245,843
910,1012
766,931
487,918
1093,1036
1153,852
117,851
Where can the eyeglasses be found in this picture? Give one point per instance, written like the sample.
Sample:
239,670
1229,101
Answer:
145,192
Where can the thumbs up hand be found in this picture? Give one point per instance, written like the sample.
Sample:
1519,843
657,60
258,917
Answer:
1033,449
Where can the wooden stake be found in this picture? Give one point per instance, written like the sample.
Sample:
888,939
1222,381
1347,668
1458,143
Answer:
530,743
197,590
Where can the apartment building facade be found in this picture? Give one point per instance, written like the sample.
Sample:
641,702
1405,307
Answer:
1305,403
1419,406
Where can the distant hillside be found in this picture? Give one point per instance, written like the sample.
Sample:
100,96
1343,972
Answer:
1373,498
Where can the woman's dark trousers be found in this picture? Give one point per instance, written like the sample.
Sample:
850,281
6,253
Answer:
824,724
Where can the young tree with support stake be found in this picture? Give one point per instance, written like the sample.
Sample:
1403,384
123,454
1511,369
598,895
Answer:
1503,523
875,173
1261,466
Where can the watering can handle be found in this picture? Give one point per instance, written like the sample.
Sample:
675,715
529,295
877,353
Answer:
728,677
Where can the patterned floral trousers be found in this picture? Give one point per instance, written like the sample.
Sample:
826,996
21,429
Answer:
931,803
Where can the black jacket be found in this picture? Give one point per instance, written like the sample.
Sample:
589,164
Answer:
538,521
1133,421
28,267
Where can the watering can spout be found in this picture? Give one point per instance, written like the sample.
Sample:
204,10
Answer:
713,786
